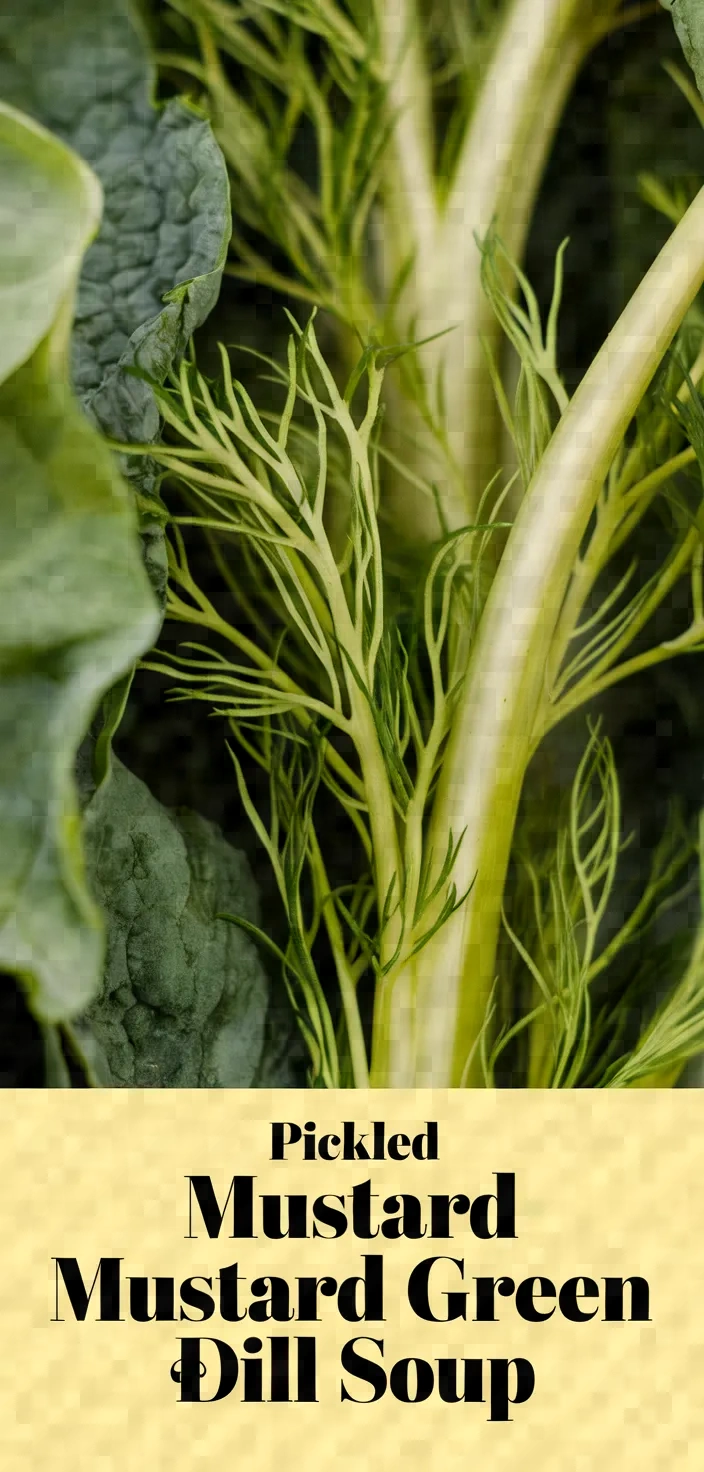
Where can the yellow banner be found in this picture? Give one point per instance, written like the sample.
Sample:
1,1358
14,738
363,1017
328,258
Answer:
431,1280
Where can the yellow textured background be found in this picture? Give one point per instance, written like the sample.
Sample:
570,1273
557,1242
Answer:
606,1184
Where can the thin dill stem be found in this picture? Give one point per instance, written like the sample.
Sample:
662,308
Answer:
640,496
604,647
606,672
387,858
674,1033
687,643
252,614
345,975
608,536
208,617
630,493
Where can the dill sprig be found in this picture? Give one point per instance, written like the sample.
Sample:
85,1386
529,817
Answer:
336,694
573,931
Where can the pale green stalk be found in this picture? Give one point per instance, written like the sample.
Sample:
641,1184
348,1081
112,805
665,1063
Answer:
537,54
482,775
411,215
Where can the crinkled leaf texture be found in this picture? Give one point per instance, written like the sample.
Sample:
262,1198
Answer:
688,16
185,1002
76,608
153,274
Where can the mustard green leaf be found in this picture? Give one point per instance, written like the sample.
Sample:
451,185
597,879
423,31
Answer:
41,247
153,273
185,1001
76,608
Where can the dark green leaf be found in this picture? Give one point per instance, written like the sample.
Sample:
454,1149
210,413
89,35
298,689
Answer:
75,605
185,1002
153,273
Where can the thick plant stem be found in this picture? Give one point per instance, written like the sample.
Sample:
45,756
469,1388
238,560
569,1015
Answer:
536,58
483,773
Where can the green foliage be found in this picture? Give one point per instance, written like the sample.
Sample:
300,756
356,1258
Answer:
41,252
381,715
331,694
185,1002
655,155
281,109
689,25
573,938
540,394
610,603
153,273
321,637
674,1034
75,605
